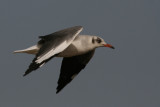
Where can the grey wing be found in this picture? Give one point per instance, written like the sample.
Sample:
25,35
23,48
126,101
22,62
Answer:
57,42
70,67
53,44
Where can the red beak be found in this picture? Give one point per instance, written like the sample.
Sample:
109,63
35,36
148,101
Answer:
108,45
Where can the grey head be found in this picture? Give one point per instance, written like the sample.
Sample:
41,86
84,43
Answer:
99,42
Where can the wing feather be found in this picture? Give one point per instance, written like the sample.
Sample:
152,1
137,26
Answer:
53,44
71,67
57,42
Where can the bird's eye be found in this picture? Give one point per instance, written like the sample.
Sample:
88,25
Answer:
99,40
93,40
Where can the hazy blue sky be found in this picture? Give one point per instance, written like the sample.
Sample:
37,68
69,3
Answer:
128,76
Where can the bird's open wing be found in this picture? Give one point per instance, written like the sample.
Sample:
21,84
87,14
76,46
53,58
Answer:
70,67
53,44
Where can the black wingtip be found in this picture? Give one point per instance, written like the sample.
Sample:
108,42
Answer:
24,75
57,92
59,89
27,72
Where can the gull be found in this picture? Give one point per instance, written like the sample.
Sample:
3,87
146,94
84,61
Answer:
76,50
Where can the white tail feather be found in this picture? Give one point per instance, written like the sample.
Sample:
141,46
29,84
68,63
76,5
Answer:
31,50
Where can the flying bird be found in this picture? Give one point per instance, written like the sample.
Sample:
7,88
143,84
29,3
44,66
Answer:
76,50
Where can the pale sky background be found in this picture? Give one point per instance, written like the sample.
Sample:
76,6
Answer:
128,76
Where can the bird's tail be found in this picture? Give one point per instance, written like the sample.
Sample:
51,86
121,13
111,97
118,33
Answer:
31,50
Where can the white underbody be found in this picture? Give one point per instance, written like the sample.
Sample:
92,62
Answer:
77,47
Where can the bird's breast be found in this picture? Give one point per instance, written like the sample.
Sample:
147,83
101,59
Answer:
79,46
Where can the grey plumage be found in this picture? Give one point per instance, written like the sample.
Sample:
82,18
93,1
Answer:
76,50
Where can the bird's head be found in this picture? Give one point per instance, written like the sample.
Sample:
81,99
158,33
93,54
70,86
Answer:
99,42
